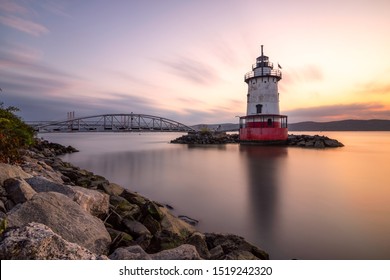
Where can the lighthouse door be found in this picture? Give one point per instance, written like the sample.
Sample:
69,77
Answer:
259,108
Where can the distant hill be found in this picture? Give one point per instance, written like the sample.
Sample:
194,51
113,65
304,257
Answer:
344,125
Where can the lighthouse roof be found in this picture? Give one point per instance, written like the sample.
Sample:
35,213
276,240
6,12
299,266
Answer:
263,68
262,58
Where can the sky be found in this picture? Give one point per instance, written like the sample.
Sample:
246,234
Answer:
186,60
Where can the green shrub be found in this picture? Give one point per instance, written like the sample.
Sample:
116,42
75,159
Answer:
14,135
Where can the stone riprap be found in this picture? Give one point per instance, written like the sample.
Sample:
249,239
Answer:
210,138
50,209
309,141
207,137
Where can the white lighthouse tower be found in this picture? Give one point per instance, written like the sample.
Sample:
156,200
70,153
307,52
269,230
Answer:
263,122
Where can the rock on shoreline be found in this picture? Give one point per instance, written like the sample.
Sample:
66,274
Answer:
50,209
208,137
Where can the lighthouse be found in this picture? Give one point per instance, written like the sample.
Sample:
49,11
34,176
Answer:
263,122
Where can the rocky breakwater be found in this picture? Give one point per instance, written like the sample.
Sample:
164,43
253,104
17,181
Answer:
309,141
208,137
50,209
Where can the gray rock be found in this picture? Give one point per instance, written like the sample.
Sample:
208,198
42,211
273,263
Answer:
301,143
18,190
183,252
150,208
309,143
217,253
135,228
332,143
240,255
141,234
3,193
234,245
174,232
64,217
11,171
113,189
174,225
199,241
2,207
133,197
41,184
130,253
151,224
40,168
120,239
36,241
94,202
9,204
124,208
319,144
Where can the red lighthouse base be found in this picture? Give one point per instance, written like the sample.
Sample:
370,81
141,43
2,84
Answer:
263,129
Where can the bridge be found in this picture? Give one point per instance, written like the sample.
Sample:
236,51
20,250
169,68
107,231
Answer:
112,122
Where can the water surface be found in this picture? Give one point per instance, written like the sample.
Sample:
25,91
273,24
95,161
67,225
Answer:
292,202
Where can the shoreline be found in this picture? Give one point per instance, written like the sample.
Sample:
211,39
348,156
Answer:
117,223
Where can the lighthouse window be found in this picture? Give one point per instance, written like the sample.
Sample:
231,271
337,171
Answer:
269,122
259,108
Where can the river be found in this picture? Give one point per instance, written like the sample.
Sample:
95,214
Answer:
295,203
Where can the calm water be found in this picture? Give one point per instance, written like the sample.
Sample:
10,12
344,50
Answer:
292,202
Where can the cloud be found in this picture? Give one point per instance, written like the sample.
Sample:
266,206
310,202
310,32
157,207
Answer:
340,112
303,74
374,88
192,70
20,61
24,25
12,7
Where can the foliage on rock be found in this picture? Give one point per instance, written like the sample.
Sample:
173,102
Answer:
14,135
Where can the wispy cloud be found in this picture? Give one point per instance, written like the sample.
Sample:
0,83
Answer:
374,88
306,73
192,70
12,7
24,25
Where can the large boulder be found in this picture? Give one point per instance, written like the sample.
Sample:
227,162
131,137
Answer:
95,202
42,184
18,190
66,218
36,241
37,167
11,171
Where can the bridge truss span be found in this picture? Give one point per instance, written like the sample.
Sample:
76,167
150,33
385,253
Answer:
114,122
